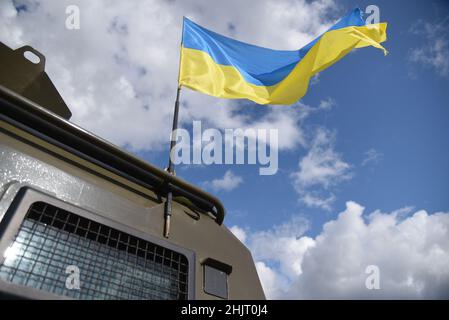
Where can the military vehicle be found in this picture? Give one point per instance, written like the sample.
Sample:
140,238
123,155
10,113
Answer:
81,218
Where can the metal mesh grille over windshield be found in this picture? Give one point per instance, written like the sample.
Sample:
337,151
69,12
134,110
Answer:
112,264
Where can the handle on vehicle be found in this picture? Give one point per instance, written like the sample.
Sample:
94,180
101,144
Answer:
24,49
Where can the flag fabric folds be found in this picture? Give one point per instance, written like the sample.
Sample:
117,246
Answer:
223,67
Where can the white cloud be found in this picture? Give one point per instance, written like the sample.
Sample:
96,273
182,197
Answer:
281,245
229,182
322,165
315,79
321,168
315,199
435,50
411,251
239,233
273,283
327,104
118,71
372,156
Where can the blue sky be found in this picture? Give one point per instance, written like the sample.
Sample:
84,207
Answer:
364,156
382,103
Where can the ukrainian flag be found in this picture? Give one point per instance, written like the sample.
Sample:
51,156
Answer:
223,67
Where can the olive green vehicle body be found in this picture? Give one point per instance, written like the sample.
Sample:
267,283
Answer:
43,155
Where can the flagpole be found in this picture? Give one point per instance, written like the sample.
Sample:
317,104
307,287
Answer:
171,167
